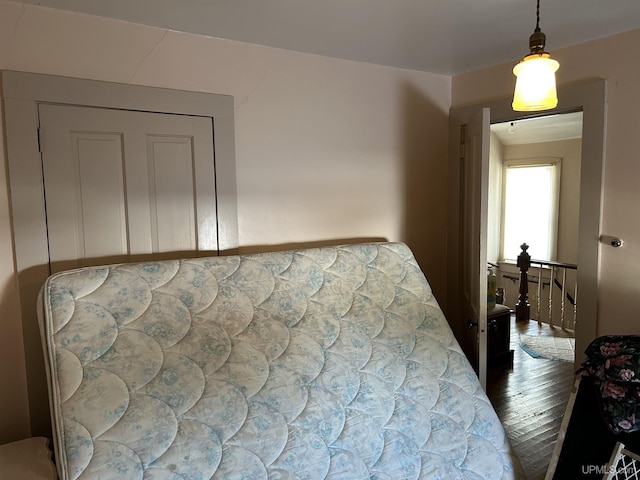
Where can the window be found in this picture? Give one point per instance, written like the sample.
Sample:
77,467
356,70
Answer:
530,207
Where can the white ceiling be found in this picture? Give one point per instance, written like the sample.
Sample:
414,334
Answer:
438,36
534,130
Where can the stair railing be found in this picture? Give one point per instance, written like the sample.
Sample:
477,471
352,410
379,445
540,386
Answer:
523,308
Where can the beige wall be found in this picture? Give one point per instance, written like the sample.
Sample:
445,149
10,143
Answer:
606,58
326,149
494,214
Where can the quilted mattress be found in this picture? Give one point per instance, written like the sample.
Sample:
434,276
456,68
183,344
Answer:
310,364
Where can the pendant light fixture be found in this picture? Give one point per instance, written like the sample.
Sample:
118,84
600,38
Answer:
535,75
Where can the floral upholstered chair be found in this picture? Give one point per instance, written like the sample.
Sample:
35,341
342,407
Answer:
613,363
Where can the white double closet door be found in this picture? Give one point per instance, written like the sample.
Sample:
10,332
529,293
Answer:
123,185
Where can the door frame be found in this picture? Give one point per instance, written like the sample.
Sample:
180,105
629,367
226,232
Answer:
591,98
474,193
21,94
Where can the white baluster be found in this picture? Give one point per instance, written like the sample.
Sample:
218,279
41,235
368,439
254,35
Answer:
552,275
575,304
538,302
564,294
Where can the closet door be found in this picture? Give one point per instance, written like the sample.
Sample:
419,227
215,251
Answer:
123,185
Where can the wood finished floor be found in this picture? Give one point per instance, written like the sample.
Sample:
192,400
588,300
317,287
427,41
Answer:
531,398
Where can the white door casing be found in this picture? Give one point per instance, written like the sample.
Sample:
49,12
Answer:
22,93
474,201
591,98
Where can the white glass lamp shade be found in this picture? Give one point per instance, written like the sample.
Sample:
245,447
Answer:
535,83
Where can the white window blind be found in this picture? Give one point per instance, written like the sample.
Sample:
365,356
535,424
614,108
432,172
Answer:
530,208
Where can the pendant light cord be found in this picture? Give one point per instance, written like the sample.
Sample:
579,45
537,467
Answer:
537,38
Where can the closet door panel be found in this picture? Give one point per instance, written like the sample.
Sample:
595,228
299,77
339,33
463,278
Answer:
171,188
124,184
99,195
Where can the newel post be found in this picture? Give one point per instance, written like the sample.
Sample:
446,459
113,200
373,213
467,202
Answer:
523,309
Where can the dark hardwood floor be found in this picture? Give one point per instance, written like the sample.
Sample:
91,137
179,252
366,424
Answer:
531,398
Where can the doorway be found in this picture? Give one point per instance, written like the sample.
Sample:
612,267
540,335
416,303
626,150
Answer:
22,94
590,99
548,221
531,394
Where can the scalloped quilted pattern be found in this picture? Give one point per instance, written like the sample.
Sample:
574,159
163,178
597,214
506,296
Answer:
311,364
